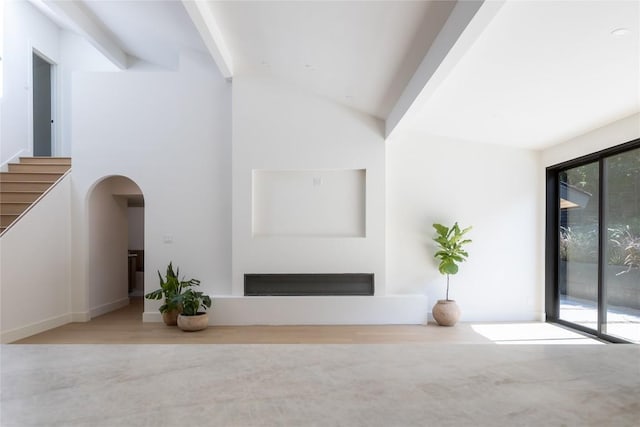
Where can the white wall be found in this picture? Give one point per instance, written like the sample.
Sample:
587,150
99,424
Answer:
35,259
492,188
607,136
170,133
311,203
76,54
279,128
25,29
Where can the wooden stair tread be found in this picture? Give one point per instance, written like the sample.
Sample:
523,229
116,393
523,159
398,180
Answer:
19,193
11,208
43,164
32,173
30,176
22,185
45,160
25,182
13,196
44,181
7,219
35,168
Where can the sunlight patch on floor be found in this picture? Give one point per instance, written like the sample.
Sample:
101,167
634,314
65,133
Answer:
530,333
622,322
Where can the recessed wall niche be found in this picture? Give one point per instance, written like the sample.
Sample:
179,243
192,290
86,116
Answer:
309,203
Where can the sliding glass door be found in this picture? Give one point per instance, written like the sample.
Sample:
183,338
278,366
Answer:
621,275
578,232
593,243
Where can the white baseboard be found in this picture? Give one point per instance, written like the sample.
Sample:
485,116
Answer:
83,316
151,316
106,308
34,328
496,316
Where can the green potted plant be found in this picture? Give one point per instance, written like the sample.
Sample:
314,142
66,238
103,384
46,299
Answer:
194,305
450,244
170,287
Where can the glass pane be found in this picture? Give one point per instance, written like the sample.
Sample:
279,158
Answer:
622,270
578,266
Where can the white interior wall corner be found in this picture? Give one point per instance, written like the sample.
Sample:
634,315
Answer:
495,190
618,132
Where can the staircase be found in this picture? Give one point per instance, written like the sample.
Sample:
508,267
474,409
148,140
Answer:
25,183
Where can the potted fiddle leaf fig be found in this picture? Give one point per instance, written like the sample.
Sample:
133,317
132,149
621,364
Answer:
170,287
194,305
451,252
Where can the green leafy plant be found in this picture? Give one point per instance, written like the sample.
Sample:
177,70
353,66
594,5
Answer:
450,251
626,247
170,287
579,244
191,301
632,260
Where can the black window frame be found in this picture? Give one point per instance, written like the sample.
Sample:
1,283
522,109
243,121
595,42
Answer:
552,253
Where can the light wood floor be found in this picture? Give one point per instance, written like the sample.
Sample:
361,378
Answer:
125,326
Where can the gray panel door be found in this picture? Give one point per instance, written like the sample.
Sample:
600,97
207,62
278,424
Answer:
42,119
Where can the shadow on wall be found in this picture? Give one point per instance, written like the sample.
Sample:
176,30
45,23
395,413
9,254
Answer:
109,240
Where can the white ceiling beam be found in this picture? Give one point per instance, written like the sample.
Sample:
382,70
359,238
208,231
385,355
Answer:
467,21
85,25
206,24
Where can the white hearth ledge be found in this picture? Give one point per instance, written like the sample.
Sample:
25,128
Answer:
315,310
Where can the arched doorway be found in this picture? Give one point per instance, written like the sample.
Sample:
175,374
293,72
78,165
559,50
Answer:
116,246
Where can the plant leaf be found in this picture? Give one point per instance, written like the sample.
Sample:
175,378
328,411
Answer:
441,229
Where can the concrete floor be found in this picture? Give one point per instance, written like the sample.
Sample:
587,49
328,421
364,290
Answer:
402,375
412,384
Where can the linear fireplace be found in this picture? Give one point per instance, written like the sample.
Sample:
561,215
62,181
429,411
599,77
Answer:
308,284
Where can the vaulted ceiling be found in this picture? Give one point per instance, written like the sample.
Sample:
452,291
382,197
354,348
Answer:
526,74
